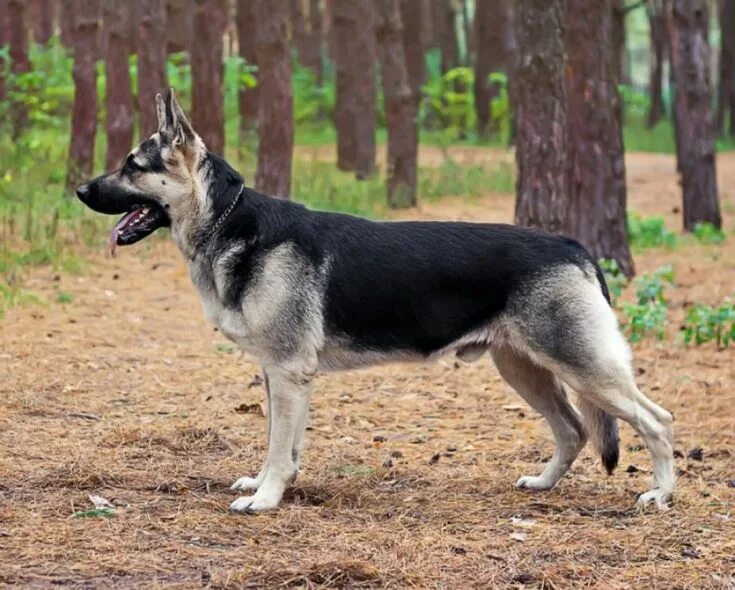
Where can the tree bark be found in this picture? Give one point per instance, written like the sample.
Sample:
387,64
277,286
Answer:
344,30
445,19
542,182
3,41
19,60
657,21
276,126
365,89
313,49
207,100
66,22
246,32
119,96
414,45
42,18
618,42
695,134
726,89
151,49
179,25
400,107
490,35
596,212
84,108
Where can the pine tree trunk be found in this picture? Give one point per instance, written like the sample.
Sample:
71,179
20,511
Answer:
313,45
84,108
298,28
276,126
726,89
42,20
542,194
490,35
119,96
246,31
19,60
400,107
344,28
365,89
151,49
414,45
3,42
618,42
657,21
207,100
596,212
179,25
66,22
691,58
445,22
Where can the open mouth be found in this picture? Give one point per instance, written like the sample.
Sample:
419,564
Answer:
135,225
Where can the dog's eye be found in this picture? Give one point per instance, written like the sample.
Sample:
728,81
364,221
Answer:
133,166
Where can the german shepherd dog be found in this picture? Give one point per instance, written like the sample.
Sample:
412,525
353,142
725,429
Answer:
307,291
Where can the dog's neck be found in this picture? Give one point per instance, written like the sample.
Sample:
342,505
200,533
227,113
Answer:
217,193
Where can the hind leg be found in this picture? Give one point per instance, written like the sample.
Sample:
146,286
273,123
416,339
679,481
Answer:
545,393
616,393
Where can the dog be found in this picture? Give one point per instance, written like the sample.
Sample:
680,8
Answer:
306,291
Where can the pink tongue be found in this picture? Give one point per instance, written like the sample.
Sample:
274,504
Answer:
116,229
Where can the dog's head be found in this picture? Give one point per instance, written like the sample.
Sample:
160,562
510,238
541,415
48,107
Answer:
158,184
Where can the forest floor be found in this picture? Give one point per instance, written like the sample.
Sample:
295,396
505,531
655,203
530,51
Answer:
125,392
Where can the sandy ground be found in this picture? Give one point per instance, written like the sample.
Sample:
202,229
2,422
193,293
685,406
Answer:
127,393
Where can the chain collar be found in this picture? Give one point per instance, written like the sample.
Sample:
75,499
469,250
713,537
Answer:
224,216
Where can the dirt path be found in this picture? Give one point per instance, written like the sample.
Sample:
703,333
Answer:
128,394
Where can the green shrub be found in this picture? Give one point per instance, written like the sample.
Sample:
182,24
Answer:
648,315
706,233
650,232
706,324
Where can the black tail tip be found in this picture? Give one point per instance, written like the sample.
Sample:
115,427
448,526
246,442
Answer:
610,458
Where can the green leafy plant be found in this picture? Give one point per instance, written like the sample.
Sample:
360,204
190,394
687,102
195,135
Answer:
704,323
650,232
614,278
449,102
648,315
706,233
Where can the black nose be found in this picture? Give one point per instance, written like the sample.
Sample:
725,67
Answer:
83,191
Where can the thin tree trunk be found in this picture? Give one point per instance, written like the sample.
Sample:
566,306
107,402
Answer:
179,25
313,46
298,28
657,21
276,127
469,34
691,59
3,42
151,49
344,28
414,45
42,18
490,34
596,215
445,22
542,194
400,107
19,60
66,22
726,89
511,52
84,109
246,32
119,107
207,101
365,89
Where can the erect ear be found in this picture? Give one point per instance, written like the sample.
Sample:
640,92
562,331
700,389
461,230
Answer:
183,133
161,113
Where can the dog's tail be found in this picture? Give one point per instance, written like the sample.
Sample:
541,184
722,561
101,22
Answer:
603,432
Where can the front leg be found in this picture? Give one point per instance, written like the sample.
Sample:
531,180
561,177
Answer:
253,483
289,391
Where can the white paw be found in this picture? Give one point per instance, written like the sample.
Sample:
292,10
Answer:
530,482
661,498
246,483
256,503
